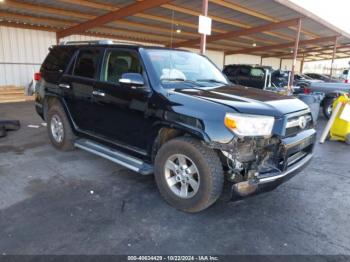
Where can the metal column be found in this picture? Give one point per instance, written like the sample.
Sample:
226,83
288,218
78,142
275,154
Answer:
302,64
295,54
333,55
204,37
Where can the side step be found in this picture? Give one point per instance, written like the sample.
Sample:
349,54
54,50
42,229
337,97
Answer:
115,156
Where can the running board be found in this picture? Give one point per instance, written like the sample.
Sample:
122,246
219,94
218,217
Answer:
115,156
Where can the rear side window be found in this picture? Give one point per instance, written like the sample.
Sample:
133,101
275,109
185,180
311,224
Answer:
58,59
86,64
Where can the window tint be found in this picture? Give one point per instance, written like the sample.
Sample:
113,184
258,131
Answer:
244,71
119,62
58,59
87,63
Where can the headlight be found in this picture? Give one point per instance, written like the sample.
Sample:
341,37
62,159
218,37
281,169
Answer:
249,125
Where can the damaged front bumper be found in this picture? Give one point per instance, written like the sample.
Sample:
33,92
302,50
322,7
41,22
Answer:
285,159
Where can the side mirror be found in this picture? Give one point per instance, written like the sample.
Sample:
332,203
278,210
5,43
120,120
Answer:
132,79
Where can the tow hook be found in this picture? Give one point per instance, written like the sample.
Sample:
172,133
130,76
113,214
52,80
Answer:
245,188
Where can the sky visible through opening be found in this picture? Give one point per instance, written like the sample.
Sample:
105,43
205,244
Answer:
336,12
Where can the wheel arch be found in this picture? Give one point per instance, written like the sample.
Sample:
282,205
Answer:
52,99
166,132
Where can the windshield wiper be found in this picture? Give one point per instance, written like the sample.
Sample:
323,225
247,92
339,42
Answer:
182,80
211,81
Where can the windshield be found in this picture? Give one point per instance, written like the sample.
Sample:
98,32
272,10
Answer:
182,66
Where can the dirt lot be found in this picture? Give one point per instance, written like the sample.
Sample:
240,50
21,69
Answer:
76,203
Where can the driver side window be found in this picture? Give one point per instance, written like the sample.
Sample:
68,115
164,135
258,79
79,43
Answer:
117,63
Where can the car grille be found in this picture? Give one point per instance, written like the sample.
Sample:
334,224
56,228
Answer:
298,122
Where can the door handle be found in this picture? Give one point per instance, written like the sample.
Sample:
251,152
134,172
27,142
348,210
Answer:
64,86
98,93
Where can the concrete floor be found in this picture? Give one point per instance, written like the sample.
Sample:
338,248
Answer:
76,203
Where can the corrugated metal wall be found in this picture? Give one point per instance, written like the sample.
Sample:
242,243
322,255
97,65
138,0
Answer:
21,53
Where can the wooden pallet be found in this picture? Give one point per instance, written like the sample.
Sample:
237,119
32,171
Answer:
12,94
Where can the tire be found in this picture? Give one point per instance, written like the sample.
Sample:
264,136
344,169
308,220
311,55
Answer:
327,107
210,176
66,141
2,131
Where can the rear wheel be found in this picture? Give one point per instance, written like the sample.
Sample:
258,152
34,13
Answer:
188,174
59,128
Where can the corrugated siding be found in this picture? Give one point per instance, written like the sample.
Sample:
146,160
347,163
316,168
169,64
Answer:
21,53
271,61
242,59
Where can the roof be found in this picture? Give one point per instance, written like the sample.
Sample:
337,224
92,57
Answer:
262,27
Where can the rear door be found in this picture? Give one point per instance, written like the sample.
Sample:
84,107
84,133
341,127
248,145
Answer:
77,85
124,116
243,76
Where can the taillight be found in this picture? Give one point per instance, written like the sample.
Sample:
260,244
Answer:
307,90
37,76
346,81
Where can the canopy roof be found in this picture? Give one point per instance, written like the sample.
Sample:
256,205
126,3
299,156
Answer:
266,28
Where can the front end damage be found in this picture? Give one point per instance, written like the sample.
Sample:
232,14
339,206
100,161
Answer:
256,165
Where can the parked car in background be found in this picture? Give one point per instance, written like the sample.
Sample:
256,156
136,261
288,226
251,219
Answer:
324,78
345,77
330,90
256,76
302,80
172,113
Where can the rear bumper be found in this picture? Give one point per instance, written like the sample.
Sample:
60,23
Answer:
302,144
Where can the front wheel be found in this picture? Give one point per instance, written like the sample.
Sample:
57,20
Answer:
188,174
328,107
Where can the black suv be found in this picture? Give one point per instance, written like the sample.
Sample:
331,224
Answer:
172,113
256,76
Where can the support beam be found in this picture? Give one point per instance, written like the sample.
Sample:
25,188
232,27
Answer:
245,10
306,51
281,64
203,36
302,64
333,55
296,47
112,16
282,46
243,32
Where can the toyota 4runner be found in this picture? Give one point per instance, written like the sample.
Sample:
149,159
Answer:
172,113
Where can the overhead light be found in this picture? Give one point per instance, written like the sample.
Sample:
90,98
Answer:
2,1
254,44
291,51
178,31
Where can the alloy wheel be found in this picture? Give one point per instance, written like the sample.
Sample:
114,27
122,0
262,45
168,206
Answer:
57,130
182,176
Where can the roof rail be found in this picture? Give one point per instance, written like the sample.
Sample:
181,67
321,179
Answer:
96,42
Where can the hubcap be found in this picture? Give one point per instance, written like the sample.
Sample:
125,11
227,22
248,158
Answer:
182,176
330,109
57,128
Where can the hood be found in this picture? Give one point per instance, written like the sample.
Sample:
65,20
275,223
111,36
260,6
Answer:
248,100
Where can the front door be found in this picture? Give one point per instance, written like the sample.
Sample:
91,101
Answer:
123,110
